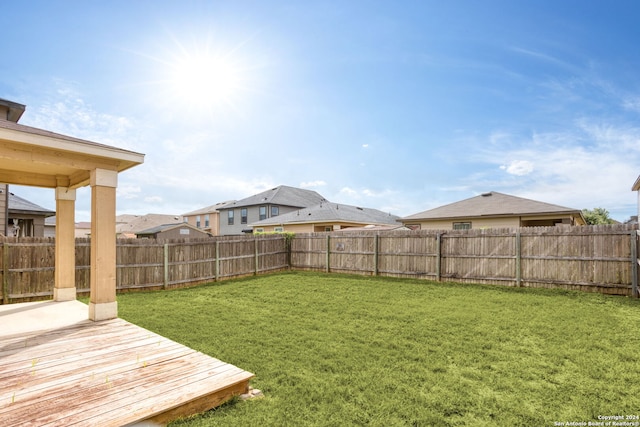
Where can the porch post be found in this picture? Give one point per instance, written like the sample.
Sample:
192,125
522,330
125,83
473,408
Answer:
65,263
103,303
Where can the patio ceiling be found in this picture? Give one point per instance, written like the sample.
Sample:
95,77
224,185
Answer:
35,157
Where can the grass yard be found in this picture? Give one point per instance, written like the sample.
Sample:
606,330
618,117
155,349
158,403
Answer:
333,350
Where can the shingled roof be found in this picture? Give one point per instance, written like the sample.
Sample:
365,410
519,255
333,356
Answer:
491,204
331,212
18,205
282,195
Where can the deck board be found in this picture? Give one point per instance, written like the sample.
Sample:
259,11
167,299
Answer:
109,373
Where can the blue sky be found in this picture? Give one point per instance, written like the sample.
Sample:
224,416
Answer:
400,106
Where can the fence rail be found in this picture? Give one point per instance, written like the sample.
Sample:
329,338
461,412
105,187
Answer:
594,258
28,264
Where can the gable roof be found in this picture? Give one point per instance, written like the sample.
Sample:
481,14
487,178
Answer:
282,195
208,209
331,212
18,205
492,204
167,227
131,224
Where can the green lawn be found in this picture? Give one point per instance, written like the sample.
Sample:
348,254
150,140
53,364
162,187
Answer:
333,350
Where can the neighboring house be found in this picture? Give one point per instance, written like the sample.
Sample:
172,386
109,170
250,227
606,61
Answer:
172,231
83,229
636,187
22,217
50,226
128,225
207,218
378,228
325,216
235,217
494,210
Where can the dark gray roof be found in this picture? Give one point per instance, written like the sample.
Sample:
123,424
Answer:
331,212
282,195
19,205
15,110
491,204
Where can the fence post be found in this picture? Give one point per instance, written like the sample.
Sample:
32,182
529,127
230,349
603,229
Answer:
518,258
166,266
376,240
439,257
217,260
255,270
328,257
5,273
634,263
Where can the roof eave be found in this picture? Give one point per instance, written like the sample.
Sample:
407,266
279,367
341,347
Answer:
448,218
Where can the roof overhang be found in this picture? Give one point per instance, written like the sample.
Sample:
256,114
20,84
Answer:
575,213
35,157
636,185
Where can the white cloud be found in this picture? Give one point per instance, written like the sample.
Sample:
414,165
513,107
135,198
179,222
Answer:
127,191
518,167
631,103
153,199
589,165
70,115
313,184
348,192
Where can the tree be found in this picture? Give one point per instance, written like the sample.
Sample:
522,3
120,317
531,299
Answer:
597,216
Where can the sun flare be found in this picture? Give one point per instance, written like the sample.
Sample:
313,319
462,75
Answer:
205,80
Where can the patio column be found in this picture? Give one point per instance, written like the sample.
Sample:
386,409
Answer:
65,263
103,303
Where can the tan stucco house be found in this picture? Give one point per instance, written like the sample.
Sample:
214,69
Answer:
325,216
173,231
206,219
127,225
494,210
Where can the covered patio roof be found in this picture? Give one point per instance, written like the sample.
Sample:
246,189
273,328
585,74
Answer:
37,157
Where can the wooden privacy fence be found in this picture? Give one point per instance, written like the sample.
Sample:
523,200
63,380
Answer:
28,263
592,258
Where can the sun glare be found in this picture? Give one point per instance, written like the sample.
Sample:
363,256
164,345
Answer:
204,80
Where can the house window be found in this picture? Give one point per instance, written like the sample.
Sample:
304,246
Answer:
230,217
206,220
462,226
328,228
259,230
263,212
278,229
275,210
243,215
185,219
198,221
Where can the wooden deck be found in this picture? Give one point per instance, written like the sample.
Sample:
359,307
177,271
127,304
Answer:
109,373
